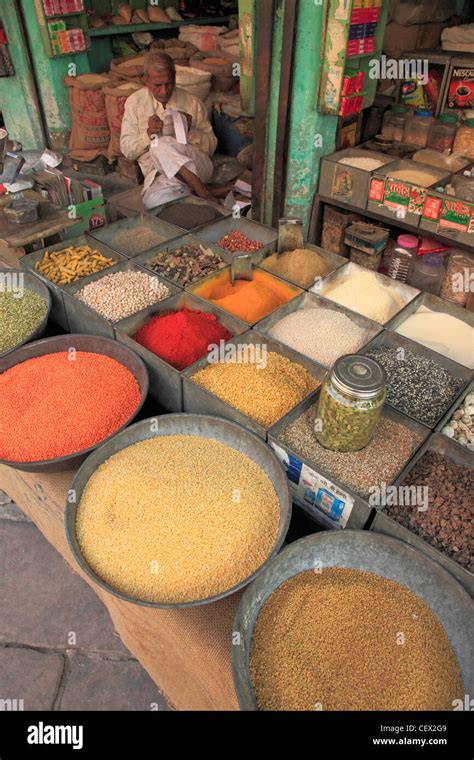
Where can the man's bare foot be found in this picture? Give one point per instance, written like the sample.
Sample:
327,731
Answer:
196,185
220,192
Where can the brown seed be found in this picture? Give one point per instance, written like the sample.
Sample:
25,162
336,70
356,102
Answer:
350,640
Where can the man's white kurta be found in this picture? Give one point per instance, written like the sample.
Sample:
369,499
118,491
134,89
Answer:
135,144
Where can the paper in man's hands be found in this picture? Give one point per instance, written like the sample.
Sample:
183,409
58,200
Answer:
175,124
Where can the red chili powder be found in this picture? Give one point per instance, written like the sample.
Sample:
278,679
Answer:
62,403
181,337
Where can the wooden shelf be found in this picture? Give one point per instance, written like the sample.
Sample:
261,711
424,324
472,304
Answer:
327,200
129,28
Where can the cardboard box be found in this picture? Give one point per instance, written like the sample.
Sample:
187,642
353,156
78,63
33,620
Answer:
91,215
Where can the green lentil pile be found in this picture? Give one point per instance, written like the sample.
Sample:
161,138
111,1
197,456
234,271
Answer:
19,317
380,461
331,641
177,518
416,385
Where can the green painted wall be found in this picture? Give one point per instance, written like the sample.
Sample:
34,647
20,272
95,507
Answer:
18,101
50,73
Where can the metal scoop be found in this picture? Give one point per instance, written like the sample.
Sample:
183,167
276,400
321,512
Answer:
241,268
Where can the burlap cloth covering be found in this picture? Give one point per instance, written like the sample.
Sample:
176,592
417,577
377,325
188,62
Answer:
186,652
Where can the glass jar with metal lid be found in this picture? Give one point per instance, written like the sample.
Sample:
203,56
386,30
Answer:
350,403
290,235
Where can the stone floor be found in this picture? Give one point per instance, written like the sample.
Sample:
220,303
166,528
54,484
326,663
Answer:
58,647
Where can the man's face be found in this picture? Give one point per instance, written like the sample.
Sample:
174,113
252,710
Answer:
160,84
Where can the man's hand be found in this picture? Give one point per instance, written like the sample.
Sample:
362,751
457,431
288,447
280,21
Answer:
155,126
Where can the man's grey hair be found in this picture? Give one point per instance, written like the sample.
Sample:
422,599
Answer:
158,61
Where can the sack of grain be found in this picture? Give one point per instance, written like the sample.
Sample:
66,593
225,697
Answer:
229,44
195,81
90,133
220,66
115,98
130,68
204,37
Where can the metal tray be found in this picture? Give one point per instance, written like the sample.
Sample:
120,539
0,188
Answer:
199,400
394,340
166,385
107,234
356,187
172,245
369,552
309,300
435,304
333,259
194,200
340,275
449,414
82,318
33,283
58,310
213,231
126,204
384,524
224,276
182,424
275,440
90,343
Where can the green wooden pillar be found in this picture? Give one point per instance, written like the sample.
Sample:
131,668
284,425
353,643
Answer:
18,99
311,134
247,27
308,133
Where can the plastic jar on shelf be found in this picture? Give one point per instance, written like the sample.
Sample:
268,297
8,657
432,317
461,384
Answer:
418,127
403,257
393,123
443,133
428,273
350,403
464,140
457,280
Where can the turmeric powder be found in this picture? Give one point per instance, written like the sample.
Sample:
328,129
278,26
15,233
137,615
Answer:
247,300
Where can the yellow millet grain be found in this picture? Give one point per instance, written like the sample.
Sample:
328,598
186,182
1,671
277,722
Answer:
330,641
177,518
265,394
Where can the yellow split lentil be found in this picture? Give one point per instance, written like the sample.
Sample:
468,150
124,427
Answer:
344,639
177,518
264,393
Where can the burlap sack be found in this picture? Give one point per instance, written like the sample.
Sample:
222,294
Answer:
115,98
220,66
90,134
130,68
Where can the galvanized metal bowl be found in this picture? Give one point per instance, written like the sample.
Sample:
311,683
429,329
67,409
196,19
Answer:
91,343
33,283
360,550
214,428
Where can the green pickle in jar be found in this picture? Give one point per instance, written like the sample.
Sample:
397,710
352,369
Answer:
350,403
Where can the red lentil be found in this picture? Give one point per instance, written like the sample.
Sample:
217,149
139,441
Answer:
62,403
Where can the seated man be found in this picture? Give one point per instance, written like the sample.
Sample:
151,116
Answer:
171,169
